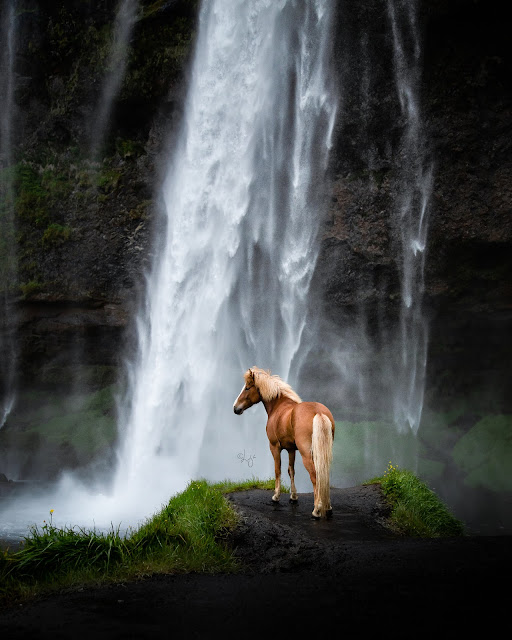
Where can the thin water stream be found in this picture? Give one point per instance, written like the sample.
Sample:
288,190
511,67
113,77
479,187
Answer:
8,254
411,210
126,16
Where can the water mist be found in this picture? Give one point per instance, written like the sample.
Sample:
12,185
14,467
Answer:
230,287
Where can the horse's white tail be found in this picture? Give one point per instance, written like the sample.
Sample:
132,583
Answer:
321,447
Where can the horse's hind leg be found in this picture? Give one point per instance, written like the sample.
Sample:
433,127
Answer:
291,473
310,468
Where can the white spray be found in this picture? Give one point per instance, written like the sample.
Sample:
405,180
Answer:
230,287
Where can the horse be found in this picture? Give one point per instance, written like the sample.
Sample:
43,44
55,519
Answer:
291,425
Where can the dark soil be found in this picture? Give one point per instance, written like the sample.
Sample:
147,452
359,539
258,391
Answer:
347,574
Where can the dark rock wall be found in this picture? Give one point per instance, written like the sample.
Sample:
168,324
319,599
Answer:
465,95
85,223
86,229
468,95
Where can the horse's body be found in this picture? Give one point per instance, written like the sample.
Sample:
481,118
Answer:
291,425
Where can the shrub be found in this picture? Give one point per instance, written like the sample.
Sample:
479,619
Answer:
415,509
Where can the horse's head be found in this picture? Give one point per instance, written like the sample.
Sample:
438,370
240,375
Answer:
249,394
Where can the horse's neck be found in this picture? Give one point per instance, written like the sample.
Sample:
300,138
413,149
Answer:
269,405
272,405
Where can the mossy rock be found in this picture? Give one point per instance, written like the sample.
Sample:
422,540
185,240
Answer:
85,421
88,432
362,448
484,454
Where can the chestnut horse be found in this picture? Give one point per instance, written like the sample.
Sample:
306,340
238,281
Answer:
291,425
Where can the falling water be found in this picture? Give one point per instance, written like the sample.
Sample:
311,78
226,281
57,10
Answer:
116,66
7,239
230,287
412,209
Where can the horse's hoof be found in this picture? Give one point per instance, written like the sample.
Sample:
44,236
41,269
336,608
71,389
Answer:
274,499
328,513
315,516
294,500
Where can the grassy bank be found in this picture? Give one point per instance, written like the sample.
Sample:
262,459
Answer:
190,534
415,509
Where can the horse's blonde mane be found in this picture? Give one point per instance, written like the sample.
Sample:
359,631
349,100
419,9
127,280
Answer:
270,386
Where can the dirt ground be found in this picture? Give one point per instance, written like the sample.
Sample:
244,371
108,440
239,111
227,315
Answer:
304,577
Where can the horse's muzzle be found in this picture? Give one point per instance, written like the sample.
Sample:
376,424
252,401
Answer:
238,411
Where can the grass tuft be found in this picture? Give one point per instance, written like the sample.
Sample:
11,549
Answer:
415,509
228,486
190,533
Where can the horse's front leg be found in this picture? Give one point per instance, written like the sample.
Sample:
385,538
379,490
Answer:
276,452
291,473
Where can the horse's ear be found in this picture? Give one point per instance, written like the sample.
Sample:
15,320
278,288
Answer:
250,375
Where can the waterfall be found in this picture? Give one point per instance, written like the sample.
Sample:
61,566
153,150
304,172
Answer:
8,269
229,287
415,185
116,66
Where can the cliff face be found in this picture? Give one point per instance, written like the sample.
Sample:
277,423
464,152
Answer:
465,97
84,216
86,224
468,84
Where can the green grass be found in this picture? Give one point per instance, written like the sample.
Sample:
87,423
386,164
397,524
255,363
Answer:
246,485
415,509
190,533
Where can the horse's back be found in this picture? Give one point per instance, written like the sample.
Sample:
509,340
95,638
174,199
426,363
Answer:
303,414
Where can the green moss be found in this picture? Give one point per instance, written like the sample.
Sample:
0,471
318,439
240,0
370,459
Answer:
158,55
86,419
140,212
74,45
129,149
55,235
30,288
56,183
84,422
8,257
108,180
361,447
89,432
102,400
31,201
484,453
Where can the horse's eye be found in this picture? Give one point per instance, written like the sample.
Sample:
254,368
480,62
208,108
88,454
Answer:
247,388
